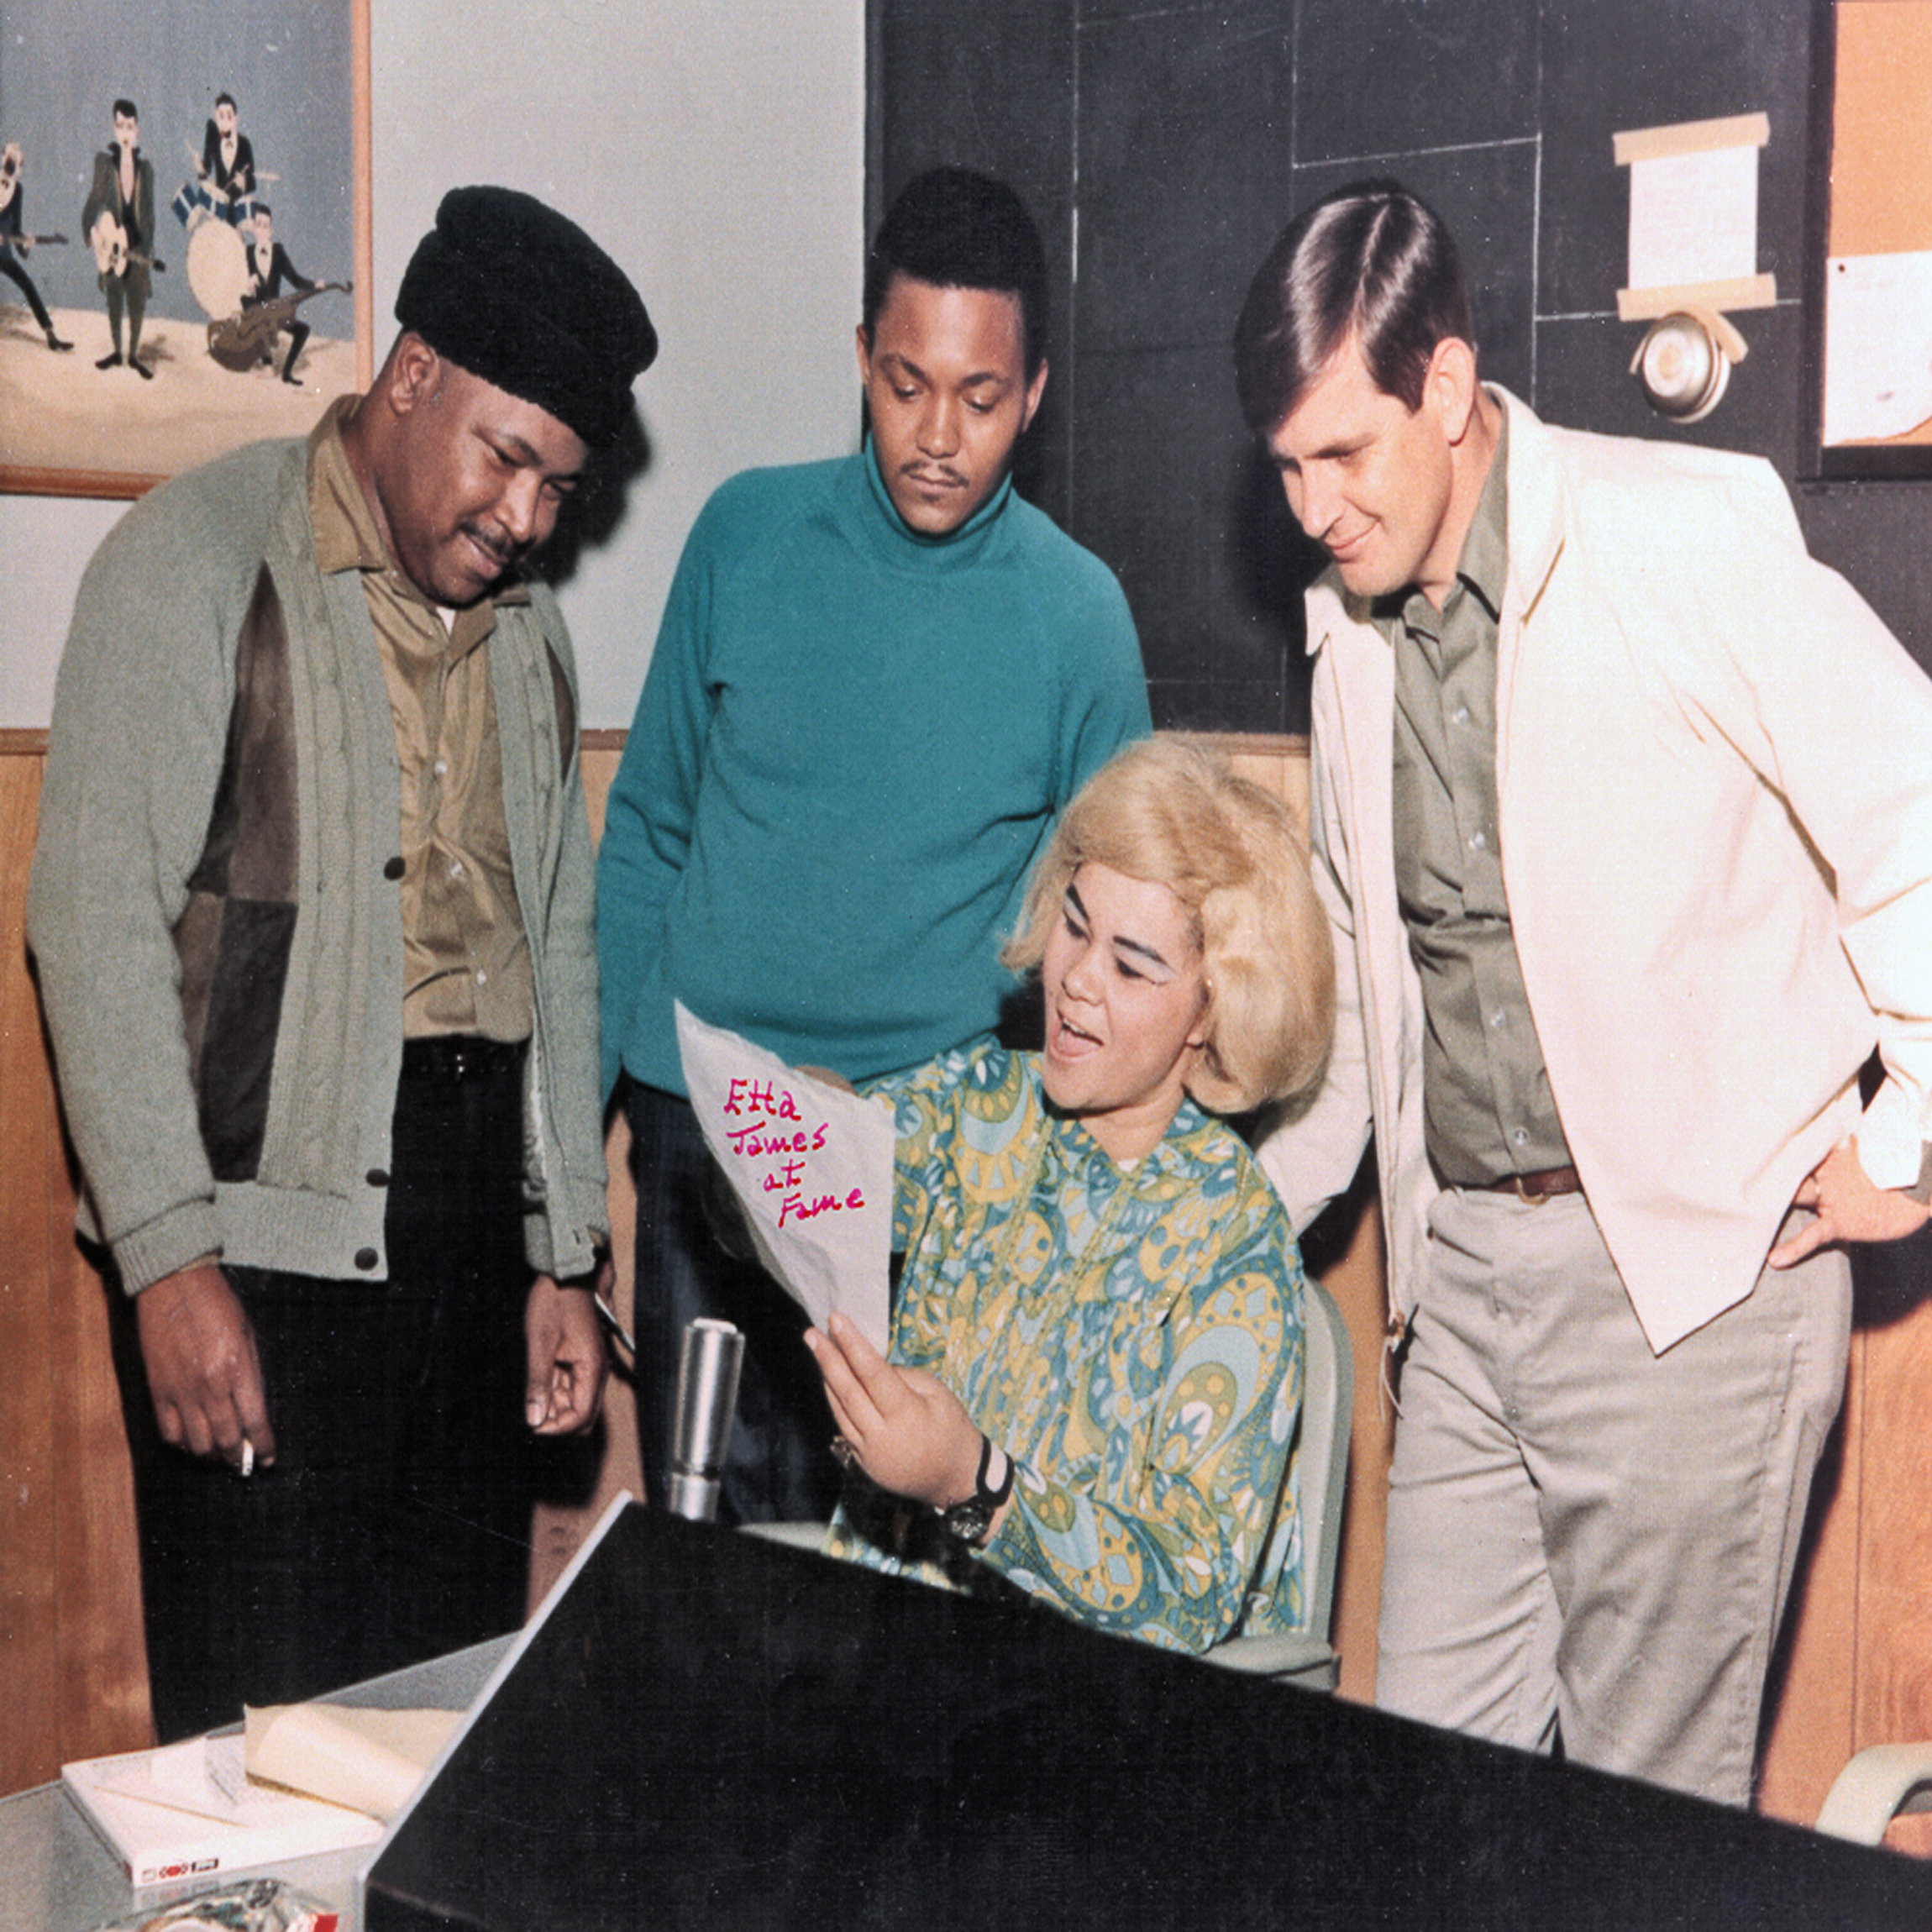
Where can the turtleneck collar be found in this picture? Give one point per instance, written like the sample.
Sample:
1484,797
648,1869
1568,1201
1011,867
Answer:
895,540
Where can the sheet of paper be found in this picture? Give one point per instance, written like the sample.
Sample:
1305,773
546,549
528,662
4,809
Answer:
811,1167
371,1761
191,1810
1877,345
1693,218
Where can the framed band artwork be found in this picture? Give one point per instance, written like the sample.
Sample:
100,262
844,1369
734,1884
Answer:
184,233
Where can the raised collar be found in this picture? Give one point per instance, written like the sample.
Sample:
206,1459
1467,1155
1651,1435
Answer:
895,542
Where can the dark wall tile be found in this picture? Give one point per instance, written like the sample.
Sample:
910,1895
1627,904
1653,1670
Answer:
1650,63
1488,196
1583,381
1879,535
1383,77
1272,708
990,88
1184,149
1173,494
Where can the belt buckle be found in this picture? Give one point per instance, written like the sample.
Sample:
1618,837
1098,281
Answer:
1523,1192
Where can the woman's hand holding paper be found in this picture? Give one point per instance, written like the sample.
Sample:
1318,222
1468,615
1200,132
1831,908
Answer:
906,1429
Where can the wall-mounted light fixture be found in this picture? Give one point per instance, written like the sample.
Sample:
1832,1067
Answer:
1684,362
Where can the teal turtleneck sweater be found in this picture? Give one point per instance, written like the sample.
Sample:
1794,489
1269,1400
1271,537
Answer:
851,744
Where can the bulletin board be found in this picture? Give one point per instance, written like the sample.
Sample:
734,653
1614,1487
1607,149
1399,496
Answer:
1874,347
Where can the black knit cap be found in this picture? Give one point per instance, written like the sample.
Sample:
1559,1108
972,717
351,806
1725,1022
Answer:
520,296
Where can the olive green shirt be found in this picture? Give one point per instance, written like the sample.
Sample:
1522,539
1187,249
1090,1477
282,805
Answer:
466,958
1487,1107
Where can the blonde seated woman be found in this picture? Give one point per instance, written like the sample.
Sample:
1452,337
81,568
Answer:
1095,1364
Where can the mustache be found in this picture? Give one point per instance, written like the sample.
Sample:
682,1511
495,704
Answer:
499,546
932,473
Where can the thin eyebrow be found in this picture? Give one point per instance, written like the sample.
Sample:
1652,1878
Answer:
1343,446
899,358
527,454
1141,952
1137,947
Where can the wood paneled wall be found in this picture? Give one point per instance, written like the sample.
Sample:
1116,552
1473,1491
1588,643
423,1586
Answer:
1858,1668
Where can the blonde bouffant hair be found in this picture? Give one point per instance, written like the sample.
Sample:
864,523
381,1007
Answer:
1173,813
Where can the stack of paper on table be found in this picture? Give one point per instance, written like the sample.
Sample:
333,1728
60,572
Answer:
192,1809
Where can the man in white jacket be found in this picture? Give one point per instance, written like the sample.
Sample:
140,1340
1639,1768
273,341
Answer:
1625,808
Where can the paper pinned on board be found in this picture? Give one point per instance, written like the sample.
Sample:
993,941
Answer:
1878,345
809,1164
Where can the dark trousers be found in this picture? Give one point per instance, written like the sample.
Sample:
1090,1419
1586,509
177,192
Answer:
395,1522
779,1467
14,273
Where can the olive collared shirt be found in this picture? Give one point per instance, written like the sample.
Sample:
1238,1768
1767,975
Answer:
1486,1106
466,957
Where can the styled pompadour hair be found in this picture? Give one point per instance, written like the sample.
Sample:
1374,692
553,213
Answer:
1370,262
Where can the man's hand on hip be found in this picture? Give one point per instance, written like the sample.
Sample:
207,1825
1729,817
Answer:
1850,1206
566,1358
202,1370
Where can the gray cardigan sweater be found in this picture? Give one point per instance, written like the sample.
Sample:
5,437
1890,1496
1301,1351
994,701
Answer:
214,910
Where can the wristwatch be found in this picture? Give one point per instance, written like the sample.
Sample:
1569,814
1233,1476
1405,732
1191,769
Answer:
968,1522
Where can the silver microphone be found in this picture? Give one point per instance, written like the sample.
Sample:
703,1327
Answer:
708,1398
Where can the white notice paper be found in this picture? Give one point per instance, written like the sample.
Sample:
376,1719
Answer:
1693,218
810,1165
1877,345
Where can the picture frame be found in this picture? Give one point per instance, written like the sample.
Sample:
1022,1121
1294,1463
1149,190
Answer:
226,353
1869,346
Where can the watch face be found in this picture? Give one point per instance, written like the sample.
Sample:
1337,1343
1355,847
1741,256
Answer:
969,1521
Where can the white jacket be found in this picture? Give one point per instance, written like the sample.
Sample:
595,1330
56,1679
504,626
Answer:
1714,787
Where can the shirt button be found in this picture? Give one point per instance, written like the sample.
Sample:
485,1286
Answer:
1521,1136
1460,714
482,978
393,869
441,768
366,1258
1496,1019
456,869
1478,841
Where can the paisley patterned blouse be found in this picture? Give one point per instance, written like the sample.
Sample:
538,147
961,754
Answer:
1130,1336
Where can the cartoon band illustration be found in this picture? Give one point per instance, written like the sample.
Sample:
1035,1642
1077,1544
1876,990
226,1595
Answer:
240,274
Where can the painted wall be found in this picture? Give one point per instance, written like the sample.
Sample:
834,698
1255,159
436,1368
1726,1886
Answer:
716,151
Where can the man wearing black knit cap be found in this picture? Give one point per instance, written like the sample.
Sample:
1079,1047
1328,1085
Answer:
311,910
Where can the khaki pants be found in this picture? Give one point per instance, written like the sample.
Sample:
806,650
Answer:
1584,1538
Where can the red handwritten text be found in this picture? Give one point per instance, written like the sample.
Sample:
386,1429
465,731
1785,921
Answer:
797,1208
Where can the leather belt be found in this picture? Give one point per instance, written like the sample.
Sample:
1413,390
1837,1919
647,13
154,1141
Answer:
1539,1187
451,1057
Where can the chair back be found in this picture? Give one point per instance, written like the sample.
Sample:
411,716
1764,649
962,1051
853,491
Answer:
1321,1466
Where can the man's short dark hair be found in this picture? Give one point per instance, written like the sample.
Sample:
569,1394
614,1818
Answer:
1370,261
128,108
957,229
226,100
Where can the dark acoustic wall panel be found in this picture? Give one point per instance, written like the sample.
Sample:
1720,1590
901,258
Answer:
988,86
1177,138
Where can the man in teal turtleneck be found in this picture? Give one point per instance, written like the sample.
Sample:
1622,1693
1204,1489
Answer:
877,682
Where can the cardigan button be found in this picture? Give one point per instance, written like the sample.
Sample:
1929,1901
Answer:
366,1258
377,1177
394,868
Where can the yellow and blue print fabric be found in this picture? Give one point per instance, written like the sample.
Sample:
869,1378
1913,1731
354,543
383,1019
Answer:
1130,1336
